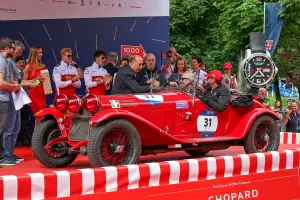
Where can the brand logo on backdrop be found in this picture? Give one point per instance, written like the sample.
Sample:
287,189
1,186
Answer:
99,3
8,10
269,44
135,6
253,194
58,1
132,50
82,2
72,2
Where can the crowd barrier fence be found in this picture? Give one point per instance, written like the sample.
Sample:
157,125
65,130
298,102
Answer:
244,176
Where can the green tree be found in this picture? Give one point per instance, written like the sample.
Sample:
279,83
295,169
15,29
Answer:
194,30
219,31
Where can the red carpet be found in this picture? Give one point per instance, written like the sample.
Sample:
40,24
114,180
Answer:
31,165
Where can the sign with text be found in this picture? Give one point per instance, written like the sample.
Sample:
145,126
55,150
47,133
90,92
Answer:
66,9
270,185
133,50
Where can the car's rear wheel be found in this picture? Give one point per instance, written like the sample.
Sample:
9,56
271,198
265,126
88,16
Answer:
263,136
196,153
55,157
116,142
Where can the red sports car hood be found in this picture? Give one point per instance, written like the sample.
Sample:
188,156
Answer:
151,101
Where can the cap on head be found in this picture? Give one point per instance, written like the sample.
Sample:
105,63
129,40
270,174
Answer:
216,74
227,65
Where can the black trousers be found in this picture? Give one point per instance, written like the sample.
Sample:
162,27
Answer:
3,117
24,135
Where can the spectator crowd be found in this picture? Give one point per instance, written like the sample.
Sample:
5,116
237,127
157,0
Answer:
106,76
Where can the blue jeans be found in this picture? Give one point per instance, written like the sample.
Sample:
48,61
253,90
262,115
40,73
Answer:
12,128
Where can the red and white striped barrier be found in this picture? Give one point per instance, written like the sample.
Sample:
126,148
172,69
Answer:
110,179
289,138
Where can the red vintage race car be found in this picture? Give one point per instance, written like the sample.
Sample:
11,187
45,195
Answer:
117,130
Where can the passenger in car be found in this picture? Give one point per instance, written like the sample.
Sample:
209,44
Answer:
186,81
216,96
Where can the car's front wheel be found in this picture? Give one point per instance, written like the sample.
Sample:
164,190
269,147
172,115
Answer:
263,136
55,157
116,142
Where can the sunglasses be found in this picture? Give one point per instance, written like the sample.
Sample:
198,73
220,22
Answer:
69,56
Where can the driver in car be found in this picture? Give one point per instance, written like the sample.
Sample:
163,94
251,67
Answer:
216,96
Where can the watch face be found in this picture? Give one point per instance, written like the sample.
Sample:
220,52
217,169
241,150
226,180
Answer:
259,70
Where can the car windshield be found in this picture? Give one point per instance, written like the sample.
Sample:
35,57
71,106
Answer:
173,81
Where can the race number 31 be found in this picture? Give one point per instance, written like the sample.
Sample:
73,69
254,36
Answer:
207,123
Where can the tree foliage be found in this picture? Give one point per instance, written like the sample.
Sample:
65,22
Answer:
194,28
219,30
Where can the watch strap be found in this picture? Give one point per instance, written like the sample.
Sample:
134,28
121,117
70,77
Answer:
257,42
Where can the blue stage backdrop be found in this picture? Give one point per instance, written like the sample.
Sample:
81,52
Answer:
86,35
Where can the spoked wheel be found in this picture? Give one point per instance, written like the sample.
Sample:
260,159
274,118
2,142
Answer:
263,136
56,156
114,143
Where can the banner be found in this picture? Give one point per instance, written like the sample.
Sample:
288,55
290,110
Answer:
86,26
66,9
272,26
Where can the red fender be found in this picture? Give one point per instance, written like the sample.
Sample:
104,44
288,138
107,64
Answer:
123,114
49,111
56,114
246,122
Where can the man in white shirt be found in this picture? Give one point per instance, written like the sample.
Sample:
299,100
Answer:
65,75
96,78
196,65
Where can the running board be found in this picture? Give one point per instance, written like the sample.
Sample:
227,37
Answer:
213,139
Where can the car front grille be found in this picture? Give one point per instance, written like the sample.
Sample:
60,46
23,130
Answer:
80,129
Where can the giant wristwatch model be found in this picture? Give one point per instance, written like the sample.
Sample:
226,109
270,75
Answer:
257,68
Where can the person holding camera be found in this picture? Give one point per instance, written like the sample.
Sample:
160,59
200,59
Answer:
292,119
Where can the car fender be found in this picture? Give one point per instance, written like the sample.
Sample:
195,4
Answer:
53,113
246,122
49,111
105,115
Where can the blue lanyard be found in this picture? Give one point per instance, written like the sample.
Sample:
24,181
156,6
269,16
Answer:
148,76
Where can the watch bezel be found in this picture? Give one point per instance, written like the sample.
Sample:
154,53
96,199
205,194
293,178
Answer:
273,66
